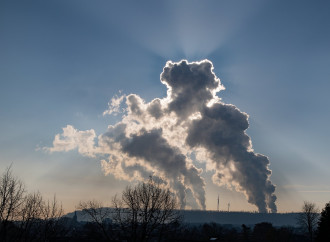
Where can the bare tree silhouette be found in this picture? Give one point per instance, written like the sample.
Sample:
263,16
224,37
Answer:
308,218
98,214
29,216
51,214
38,219
145,209
11,198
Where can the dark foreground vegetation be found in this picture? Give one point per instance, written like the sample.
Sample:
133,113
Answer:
146,212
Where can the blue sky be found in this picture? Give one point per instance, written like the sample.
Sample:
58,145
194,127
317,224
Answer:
62,61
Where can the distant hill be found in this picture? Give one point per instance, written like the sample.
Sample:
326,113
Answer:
233,218
239,218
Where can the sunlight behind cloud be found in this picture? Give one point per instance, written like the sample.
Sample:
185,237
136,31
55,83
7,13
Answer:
181,29
202,29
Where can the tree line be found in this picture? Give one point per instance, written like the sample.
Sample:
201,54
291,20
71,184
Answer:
26,216
144,212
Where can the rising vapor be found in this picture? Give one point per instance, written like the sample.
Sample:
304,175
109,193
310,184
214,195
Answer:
160,137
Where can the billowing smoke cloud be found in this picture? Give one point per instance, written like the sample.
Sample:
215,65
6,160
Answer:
159,137
221,131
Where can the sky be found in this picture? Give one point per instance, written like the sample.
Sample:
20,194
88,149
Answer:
62,62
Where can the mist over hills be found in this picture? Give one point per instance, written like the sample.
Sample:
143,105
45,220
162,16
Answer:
227,218
239,218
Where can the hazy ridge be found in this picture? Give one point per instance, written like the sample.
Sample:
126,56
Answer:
233,218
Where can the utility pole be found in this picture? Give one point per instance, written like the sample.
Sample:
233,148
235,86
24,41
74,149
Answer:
228,206
218,204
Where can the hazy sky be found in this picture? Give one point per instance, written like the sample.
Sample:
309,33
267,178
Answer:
61,62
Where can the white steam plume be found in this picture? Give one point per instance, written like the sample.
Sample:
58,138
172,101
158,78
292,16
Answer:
158,138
